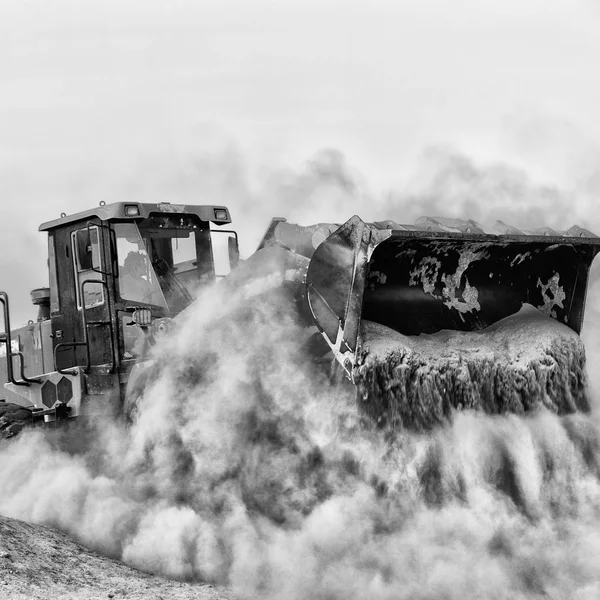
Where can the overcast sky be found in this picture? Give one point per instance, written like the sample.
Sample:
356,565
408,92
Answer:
234,102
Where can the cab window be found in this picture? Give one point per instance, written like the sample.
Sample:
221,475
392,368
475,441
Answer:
87,263
137,279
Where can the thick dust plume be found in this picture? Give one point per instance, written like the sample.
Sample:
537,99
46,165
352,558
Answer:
246,466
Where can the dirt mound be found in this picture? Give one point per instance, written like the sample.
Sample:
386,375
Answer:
521,363
12,419
37,562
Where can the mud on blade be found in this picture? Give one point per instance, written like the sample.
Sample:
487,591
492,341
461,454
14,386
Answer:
418,281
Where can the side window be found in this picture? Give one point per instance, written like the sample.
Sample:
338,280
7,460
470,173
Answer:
183,248
223,243
85,244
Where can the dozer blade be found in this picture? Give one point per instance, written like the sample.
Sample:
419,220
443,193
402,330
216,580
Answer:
442,275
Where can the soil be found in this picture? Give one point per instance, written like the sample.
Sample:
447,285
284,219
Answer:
12,419
522,363
38,562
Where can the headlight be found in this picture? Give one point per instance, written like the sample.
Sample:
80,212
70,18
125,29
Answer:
142,316
132,210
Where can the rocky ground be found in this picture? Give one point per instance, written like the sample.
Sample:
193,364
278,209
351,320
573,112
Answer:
38,562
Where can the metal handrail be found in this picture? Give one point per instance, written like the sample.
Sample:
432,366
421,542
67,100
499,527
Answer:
21,357
112,239
68,345
6,339
86,324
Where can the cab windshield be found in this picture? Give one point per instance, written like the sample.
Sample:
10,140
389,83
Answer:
163,261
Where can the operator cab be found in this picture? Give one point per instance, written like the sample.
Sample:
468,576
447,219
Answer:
120,270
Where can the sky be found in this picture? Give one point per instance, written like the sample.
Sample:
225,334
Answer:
306,110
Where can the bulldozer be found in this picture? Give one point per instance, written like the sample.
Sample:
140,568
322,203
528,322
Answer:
120,273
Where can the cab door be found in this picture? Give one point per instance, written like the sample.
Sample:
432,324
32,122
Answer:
82,328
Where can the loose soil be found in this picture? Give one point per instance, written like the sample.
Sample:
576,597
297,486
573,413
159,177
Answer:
38,562
520,364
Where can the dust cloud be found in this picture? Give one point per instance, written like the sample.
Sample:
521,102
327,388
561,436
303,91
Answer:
245,466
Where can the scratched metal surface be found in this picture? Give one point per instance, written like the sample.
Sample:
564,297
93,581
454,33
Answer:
422,285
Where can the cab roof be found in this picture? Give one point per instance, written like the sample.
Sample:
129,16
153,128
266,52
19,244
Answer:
126,211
